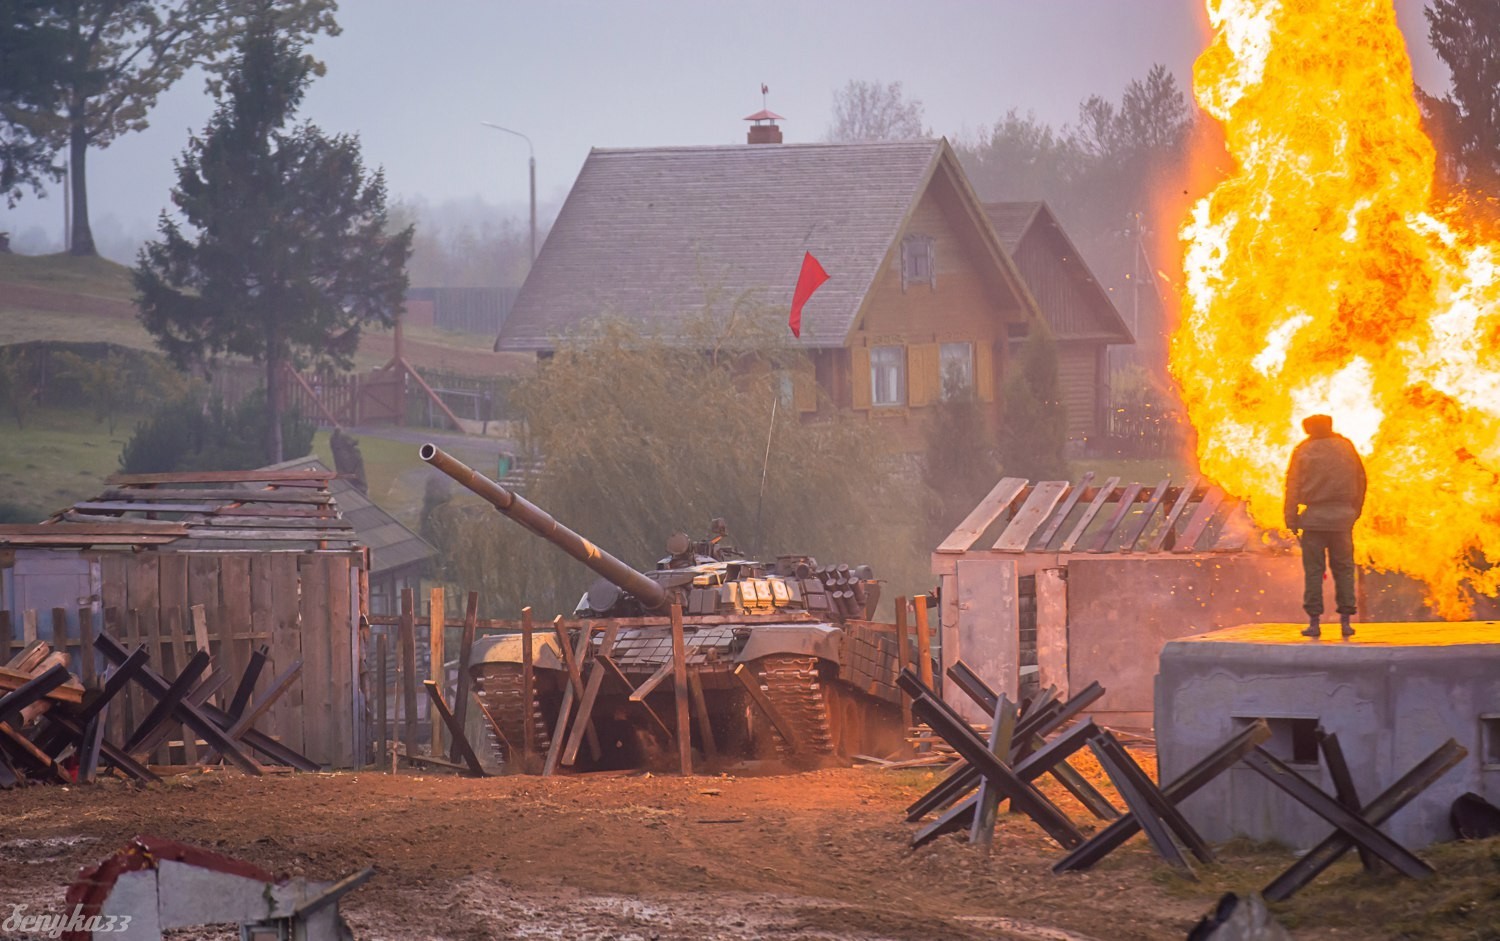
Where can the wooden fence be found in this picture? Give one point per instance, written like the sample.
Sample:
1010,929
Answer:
299,605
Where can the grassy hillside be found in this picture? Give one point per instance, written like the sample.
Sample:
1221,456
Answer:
95,277
61,456
60,297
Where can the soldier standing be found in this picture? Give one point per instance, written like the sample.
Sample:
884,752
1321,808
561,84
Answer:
1325,493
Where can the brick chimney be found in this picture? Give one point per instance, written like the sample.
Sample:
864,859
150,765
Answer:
763,127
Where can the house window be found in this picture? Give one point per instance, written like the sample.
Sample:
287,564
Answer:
918,262
888,375
956,370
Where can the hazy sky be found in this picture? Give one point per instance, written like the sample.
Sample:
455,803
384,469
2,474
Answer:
414,78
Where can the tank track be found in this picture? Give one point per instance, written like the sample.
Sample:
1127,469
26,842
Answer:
500,689
795,688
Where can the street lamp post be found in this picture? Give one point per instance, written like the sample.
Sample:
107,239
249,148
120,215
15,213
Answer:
532,165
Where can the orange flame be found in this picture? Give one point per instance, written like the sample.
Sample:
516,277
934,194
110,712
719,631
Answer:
1319,278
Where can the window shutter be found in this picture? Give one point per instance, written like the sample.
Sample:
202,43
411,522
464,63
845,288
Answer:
924,383
984,371
804,391
859,376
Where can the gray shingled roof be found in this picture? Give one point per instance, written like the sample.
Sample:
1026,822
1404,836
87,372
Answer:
1012,220
644,232
392,545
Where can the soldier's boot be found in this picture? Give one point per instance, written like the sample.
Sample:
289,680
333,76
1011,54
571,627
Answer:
1313,628
1344,625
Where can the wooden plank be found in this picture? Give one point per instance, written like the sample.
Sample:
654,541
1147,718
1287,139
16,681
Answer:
903,657
1137,527
1198,522
680,692
571,691
145,497
466,653
179,644
406,673
1049,532
281,477
528,686
204,601
750,680
7,637
85,646
1169,525
343,625
1033,513
97,528
441,712
69,692
28,626
1095,505
700,711
277,619
612,671
590,696
1127,501
435,656
924,640
242,605
640,693
171,595
382,710
124,539
996,502
59,631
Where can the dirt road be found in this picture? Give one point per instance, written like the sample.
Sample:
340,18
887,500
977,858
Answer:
821,855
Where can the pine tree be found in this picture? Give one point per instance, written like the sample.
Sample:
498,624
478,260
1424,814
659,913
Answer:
289,255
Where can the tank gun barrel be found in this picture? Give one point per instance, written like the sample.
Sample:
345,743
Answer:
540,522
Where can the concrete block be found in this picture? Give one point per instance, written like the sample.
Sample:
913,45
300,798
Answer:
1392,694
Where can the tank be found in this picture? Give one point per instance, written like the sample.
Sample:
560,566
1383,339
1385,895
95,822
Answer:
800,630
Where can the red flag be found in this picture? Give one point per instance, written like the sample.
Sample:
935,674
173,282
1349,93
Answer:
811,278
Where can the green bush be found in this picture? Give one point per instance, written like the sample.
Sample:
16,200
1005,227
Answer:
1034,424
187,434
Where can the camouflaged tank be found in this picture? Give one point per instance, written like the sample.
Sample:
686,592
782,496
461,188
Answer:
799,630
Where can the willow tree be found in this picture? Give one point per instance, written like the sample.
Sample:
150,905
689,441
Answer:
641,436
284,255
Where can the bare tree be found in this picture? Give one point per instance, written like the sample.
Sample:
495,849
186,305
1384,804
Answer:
870,111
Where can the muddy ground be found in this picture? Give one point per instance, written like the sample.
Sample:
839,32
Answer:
819,855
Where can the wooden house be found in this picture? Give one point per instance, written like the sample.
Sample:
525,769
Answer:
1077,309
922,299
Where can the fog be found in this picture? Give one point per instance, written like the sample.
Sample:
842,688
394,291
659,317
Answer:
415,80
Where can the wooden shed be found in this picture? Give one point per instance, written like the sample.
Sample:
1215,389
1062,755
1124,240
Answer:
1057,583
224,561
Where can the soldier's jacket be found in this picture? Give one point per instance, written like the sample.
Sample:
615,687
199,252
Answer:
1326,479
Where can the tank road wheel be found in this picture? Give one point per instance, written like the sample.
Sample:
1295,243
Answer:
795,687
500,689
